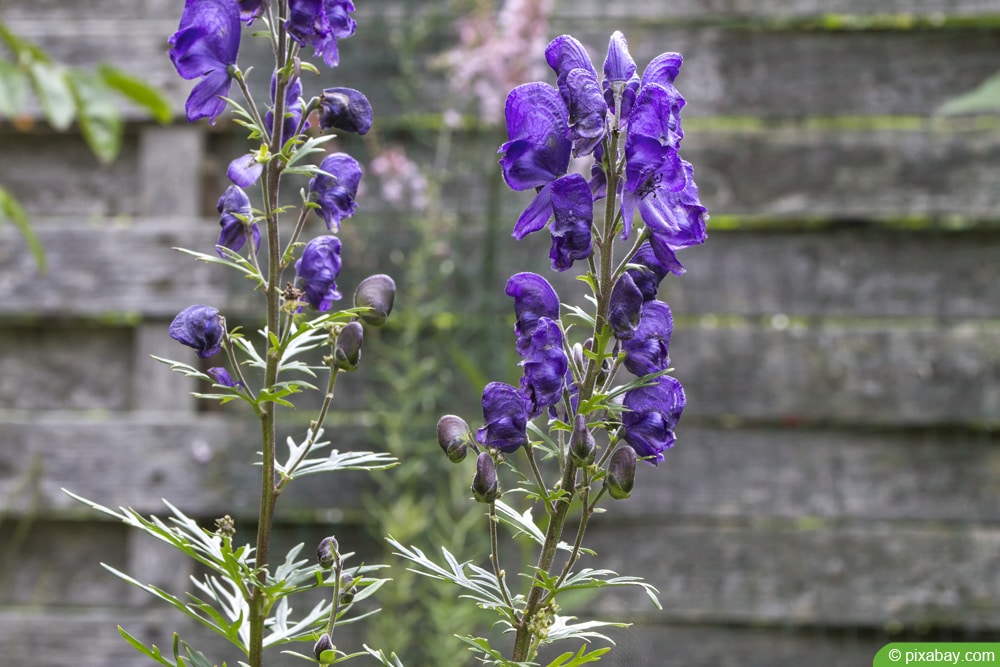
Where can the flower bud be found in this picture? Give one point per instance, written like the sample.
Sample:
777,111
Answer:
347,348
377,293
347,589
621,473
581,443
345,109
485,487
327,553
454,437
325,643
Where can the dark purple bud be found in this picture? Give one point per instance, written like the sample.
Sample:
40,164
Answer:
648,271
234,214
652,416
618,65
454,437
485,487
621,473
377,292
534,298
199,327
250,10
506,417
317,271
205,45
582,447
325,643
648,351
347,348
345,109
293,107
327,553
347,589
625,307
221,376
334,191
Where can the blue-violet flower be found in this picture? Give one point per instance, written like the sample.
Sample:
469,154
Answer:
206,45
319,24
199,327
335,189
534,298
506,418
345,109
545,365
648,350
235,212
317,270
652,416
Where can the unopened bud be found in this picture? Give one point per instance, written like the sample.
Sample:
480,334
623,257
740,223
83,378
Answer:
621,473
485,487
377,293
347,589
325,643
454,436
581,444
327,553
347,348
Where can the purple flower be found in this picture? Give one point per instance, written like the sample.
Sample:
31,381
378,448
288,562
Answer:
235,212
485,486
647,351
294,104
245,170
573,211
649,271
506,417
619,67
653,413
334,191
250,10
545,365
624,307
534,298
578,86
537,151
675,218
199,327
345,109
206,45
221,376
317,271
319,24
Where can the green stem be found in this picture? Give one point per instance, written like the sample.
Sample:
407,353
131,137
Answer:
495,556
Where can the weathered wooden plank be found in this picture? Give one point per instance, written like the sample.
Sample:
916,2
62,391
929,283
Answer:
842,372
867,574
202,465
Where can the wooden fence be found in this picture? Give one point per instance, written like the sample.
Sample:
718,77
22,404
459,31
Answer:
836,484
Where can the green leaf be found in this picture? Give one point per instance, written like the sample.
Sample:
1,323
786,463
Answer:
984,99
53,90
137,91
150,651
100,121
11,210
14,87
581,657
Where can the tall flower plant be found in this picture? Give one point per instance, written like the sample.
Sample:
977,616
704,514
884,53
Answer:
244,595
595,395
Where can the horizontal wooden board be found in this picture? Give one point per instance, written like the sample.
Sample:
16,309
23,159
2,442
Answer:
867,574
203,465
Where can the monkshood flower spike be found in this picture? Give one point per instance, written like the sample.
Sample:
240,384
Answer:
595,395
299,343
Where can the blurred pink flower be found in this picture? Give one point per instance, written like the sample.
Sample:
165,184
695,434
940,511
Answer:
401,183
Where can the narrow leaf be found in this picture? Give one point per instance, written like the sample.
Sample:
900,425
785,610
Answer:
100,121
54,93
14,88
11,210
137,91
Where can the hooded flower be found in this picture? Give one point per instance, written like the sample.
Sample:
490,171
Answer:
345,109
506,417
537,151
319,24
534,298
221,376
648,271
647,351
235,212
317,271
250,10
619,74
578,86
205,46
573,211
335,189
624,307
294,104
199,327
652,415
545,365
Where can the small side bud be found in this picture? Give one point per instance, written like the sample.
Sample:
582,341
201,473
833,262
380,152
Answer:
327,553
485,487
454,437
378,293
581,444
347,348
347,589
325,643
621,473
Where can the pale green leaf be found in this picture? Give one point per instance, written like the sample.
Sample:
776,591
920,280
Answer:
985,99
54,93
14,87
100,120
137,91
11,210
